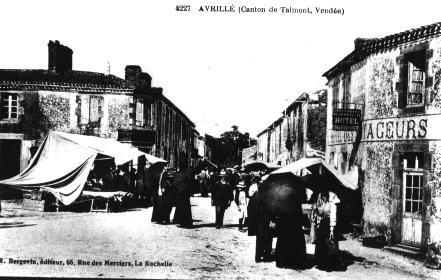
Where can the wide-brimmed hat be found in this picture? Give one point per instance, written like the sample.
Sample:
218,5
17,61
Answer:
241,185
223,173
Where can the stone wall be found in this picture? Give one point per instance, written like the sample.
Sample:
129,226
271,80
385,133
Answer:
56,107
116,115
374,82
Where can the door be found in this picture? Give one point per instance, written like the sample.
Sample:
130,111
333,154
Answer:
10,151
412,204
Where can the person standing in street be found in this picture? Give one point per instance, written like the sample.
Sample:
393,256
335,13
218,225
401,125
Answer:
324,219
156,198
242,204
184,182
221,197
203,178
291,247
165,197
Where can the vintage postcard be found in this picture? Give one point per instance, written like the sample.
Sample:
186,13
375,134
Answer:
202,139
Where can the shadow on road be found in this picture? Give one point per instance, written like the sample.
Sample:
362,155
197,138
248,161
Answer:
207,225
343,260
17,224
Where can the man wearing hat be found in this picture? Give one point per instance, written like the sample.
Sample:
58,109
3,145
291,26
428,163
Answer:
221,198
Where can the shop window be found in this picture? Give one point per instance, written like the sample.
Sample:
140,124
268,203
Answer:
9,106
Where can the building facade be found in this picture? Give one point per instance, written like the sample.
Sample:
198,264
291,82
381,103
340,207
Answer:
393,83
159,127
289,137
36,101
249,155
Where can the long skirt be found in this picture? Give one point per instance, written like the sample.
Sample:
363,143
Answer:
252,215
156,213
326,248
183,215
291,246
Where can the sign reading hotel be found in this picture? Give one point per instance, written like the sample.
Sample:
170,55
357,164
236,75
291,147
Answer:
346,119
402,129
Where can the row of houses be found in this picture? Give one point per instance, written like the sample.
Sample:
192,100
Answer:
59,98
383,110
290,137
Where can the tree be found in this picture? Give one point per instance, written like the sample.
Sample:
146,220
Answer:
227,149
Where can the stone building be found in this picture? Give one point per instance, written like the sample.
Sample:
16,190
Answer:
393,83
35,101
204,151
289,137
159,127
249,155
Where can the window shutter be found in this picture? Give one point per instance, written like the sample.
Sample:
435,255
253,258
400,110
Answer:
402,82
93,109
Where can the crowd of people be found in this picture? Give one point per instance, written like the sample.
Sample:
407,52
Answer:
166,188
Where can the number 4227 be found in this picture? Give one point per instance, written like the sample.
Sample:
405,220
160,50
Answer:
183,8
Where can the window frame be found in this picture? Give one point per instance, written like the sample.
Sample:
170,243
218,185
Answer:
100,107
411,61
139,114
8,98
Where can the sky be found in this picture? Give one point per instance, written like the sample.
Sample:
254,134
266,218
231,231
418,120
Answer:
220,69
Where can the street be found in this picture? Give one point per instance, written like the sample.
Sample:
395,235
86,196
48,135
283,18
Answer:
128,245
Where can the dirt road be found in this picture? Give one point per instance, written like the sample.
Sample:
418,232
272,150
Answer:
127,245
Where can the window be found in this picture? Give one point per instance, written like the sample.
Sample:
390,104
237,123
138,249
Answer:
346,91
335,95
139,120
415,78
96,109
331,158
343,162
9,106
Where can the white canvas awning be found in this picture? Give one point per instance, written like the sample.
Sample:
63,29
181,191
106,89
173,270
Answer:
63,161
349,180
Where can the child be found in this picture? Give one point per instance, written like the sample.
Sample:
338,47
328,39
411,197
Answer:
242,205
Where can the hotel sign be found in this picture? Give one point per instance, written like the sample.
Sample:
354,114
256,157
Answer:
346,119
409,128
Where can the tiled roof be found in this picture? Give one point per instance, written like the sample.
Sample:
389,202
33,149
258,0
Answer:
82,81
365,47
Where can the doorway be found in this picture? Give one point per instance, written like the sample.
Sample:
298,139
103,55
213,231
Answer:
10,151
411,231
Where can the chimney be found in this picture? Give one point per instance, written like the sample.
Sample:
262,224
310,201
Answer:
60,57
135,75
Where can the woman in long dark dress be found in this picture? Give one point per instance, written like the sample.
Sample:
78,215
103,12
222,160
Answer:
156,200
291,246
324,221
183,183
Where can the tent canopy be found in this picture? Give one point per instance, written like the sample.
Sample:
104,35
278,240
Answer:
348,181
260,165
63,161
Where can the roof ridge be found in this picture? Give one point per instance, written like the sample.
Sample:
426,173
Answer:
75,78
372,45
